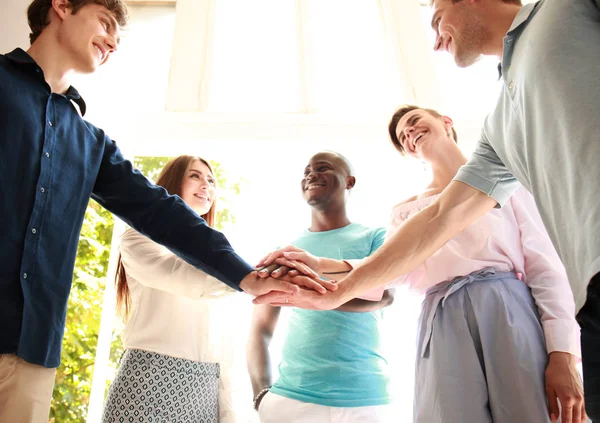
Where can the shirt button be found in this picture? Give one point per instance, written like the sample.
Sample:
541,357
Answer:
511,85
33,231
47,154
24,275
42,190
50,122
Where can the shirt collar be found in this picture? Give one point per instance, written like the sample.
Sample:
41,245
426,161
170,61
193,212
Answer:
21,57
523,17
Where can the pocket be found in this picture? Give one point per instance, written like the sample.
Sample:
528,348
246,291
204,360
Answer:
355,251
8,364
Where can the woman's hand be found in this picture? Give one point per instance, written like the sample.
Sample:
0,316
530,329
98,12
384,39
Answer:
286,256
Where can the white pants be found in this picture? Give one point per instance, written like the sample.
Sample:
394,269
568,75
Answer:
277,409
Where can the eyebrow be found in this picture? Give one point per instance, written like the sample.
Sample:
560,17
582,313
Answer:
200,172
413,119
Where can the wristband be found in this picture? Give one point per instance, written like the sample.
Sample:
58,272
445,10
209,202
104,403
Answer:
260,396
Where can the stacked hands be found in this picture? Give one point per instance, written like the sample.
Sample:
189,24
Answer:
291,276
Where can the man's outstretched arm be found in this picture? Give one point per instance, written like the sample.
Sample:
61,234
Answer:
419,237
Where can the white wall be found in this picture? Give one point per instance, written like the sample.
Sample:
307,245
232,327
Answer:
13,21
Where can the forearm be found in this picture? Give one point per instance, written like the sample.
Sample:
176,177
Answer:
329,267
417,239
154,266
359,305
165,219
259,362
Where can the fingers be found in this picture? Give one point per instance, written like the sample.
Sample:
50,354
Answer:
330,285
299,266
306,282
279,285
282,266
572,407
576,414
272,298
296,255
281,270
552,404
265,271
268,259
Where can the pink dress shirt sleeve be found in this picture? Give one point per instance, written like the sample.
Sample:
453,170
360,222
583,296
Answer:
546,277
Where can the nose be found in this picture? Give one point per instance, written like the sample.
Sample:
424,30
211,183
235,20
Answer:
409,131
437,45
311,176
111,44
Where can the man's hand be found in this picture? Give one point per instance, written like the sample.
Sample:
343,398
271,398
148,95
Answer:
563,384
254,285
307,299
299,275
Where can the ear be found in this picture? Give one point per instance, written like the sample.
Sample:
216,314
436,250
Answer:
448,123
61,7
350,182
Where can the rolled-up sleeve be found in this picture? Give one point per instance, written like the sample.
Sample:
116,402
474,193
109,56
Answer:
485,172
546,277
165,219
154,266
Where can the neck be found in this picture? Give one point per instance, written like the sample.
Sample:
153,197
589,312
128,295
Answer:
54,62
329,219
445,167
501,18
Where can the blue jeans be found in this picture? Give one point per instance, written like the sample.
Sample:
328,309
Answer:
589,320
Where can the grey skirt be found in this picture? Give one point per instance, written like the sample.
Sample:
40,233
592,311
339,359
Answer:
151,387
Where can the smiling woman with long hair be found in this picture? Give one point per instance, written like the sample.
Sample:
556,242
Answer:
168,370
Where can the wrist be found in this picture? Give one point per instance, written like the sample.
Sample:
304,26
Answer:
345,291
327,266
248,281
562,356
258,397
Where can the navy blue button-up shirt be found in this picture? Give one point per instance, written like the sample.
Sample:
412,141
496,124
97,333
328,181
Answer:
51,163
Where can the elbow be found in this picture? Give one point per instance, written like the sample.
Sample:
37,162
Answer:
388,297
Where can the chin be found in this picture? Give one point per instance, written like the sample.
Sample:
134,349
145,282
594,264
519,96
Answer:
88,67
465,60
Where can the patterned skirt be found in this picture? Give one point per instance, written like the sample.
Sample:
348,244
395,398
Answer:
151,387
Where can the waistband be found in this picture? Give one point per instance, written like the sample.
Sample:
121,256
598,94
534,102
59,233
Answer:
443,290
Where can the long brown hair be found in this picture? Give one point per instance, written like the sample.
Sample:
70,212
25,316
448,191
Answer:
171,179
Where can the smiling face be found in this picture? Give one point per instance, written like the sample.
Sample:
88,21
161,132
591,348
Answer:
326,179
423,135
459,30
89,36
198,187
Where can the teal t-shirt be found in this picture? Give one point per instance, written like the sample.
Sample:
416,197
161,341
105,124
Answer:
334,358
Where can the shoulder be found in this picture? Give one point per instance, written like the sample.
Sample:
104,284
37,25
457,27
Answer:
98,133
368,232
